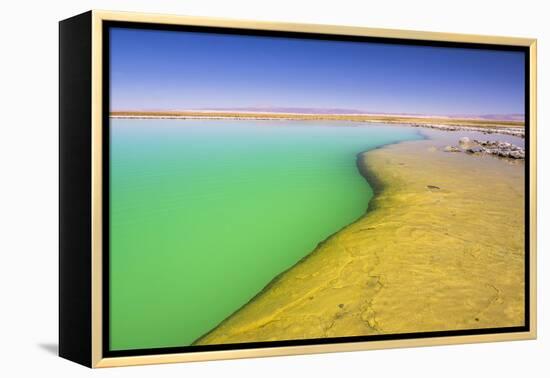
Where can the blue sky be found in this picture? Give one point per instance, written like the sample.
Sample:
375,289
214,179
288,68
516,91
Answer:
172,70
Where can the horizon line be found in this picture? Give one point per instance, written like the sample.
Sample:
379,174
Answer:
323,111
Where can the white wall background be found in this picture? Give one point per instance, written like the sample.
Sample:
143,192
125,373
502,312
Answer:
28,185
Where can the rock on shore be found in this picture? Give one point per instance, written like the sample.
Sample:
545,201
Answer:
496,148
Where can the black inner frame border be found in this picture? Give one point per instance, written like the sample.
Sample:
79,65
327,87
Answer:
106,352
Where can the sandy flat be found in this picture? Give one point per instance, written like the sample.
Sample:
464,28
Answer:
489,124
441,248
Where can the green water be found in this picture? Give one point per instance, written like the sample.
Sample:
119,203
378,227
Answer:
204,213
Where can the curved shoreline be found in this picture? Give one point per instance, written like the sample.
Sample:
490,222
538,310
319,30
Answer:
376,187
370,175
384,272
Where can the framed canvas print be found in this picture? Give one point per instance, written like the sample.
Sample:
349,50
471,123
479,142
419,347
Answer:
236,189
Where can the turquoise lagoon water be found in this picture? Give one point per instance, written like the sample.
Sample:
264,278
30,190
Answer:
205,213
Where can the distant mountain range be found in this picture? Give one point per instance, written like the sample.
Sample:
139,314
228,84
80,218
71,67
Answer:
304,110
501,117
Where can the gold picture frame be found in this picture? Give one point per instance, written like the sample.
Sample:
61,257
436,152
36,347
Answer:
91,331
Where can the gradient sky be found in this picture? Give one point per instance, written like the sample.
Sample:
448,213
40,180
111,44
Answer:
174,70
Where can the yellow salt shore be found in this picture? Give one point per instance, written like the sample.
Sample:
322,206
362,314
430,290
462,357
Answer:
440,248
